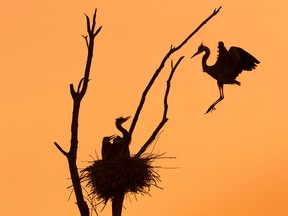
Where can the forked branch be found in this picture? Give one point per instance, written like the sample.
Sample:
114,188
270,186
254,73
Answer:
151,82
164,118
77,97
161,66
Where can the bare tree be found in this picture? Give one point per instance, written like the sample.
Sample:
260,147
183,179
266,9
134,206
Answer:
77,96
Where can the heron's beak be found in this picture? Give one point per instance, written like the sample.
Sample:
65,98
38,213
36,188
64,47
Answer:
112,137
126,118
195,54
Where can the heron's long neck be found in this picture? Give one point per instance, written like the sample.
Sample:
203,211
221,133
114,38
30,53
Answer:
206,68
123,130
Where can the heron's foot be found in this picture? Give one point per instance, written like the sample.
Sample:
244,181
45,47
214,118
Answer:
211,108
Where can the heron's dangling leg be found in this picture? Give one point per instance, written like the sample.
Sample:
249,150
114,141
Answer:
212,107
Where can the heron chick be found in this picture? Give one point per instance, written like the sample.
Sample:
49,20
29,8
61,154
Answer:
107,147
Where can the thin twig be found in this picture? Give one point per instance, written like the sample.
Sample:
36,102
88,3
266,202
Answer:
86,40
60,149
79,85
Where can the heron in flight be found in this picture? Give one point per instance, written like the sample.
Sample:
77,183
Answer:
228,66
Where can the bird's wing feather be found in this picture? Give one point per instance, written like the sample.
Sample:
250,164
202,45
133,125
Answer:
242,59
222,54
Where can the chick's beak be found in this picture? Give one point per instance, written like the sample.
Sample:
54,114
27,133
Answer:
112,137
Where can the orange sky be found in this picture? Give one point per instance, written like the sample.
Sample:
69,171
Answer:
233,162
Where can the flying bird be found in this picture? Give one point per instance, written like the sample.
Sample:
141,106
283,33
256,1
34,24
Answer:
228,66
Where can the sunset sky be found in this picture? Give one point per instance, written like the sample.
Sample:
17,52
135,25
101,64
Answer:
231,162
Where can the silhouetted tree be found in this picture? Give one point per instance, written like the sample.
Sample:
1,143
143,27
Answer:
77,96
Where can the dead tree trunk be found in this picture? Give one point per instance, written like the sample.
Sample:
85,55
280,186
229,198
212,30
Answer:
77,97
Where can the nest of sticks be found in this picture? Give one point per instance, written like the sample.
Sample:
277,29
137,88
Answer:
132,175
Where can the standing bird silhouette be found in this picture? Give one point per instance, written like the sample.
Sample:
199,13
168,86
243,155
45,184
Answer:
120,149
121,144
227,67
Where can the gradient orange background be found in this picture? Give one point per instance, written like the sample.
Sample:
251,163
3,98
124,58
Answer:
233,162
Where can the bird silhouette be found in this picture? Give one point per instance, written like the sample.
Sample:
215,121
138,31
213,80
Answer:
120,149
228,66
120,146
107,147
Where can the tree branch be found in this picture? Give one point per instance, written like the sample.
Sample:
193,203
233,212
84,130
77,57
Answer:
161,66
215,12
77,97
164,118
86,40
79,85
60,149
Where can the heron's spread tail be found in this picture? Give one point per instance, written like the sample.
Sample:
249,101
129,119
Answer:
236,82
232,82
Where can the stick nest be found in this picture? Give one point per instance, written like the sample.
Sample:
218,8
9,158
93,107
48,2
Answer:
134,175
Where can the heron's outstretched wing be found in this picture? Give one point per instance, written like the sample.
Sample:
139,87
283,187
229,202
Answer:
223,56
242,60
224,67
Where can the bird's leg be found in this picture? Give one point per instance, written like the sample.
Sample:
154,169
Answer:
212,107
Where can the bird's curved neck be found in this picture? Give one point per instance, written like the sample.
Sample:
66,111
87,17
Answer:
123,130
206,68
